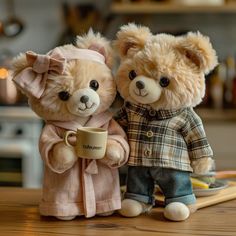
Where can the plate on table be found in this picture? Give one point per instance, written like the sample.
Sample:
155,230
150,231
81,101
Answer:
213,189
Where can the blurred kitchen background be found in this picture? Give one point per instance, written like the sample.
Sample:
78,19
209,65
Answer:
40,25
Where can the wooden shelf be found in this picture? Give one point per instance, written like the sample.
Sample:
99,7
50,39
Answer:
167,8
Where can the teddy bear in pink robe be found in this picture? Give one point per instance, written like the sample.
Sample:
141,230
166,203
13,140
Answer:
72,87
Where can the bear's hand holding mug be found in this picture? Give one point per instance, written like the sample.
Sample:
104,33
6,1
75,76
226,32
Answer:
90,142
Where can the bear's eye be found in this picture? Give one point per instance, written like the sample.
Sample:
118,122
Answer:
64,95
132,74
164,82
94,85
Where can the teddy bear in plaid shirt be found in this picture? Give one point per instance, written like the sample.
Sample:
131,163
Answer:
161,78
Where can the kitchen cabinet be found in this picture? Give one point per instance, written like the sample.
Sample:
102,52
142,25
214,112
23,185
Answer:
20,162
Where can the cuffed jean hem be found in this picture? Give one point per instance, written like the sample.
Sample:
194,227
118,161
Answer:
187,199
140,198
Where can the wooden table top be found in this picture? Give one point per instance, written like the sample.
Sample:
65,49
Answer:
19,216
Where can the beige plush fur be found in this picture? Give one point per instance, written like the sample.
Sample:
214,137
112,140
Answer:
131,38
90,40
79,74
184,60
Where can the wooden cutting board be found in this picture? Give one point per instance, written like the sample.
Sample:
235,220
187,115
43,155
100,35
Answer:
223,195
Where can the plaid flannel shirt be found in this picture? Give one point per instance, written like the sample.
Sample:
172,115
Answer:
163,138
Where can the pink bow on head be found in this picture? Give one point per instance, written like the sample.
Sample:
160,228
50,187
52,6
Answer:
32,79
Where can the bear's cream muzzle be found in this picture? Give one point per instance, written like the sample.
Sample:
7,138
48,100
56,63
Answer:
83,102
144,90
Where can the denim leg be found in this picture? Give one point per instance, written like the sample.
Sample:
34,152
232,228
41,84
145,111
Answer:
140,184
175,184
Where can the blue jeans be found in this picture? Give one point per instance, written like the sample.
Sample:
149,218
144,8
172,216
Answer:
175,185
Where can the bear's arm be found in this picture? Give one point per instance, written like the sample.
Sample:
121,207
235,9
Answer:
195,137
118,139
49,137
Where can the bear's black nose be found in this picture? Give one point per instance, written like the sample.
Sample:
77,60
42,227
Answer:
140,85
84,99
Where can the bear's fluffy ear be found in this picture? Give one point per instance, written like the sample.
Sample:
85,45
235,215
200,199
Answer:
96,42
130,39
198,49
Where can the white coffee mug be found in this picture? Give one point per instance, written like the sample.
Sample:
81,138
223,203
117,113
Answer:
90,142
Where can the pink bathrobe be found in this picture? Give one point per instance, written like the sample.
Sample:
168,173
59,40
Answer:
90,187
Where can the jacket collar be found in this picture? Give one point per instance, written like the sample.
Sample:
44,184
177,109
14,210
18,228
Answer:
95,121
151,114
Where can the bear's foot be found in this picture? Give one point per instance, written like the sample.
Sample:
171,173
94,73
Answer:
108,213
176,211
65,217
133,208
